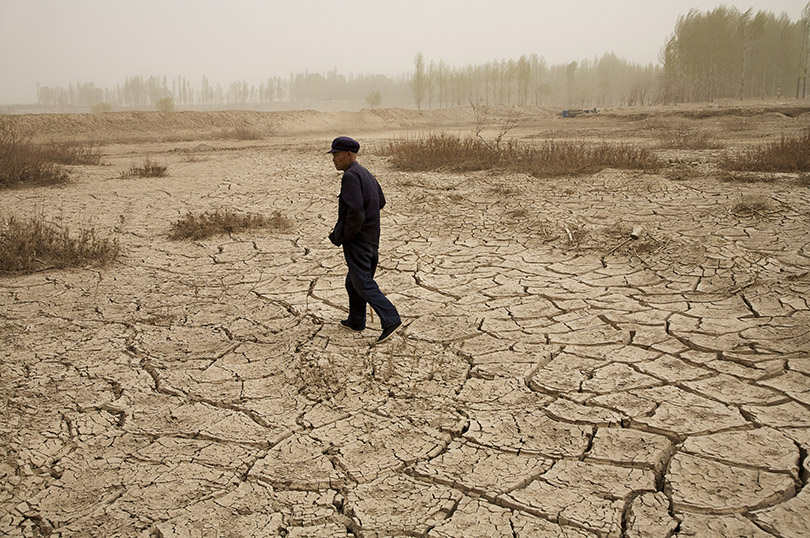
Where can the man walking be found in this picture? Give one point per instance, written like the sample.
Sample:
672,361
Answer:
358,231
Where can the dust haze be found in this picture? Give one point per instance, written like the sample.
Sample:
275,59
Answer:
54,44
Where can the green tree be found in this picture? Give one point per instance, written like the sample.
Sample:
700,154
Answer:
165,104
100,108
374,99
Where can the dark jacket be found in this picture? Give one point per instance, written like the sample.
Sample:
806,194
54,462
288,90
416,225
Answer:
359,204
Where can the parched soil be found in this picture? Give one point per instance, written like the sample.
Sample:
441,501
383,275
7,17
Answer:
622,354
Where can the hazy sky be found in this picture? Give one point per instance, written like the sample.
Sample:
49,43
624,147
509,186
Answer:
54,42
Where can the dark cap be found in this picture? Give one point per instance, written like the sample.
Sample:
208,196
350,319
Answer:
344,143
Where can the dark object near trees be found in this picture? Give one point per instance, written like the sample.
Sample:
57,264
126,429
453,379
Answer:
574,112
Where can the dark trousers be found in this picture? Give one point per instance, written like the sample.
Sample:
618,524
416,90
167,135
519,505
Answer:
361,259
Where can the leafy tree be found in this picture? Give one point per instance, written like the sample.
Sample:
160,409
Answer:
374,99
100,108
725,53
165,104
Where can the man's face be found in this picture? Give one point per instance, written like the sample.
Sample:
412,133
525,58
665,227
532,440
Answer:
342,159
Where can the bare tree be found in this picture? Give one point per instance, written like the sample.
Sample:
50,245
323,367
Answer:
509,123
481,112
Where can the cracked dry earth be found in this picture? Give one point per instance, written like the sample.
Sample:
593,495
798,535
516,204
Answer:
552,379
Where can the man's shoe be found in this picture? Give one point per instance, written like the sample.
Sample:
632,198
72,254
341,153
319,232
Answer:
345,323
388,332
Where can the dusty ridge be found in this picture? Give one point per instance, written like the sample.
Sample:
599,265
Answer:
190,125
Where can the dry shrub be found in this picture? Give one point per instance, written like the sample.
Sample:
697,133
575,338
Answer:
656,123
789,154
746,177
687,139
448,152
737,124
32,245
22,163
147,168
439,151
563,158
752,205
225,221
318,377
71,153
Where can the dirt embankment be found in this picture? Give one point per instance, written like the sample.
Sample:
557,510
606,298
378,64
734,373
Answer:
152,125
143,126
792,109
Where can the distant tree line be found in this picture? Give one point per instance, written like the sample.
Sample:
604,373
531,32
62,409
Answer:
608,80
718,54
139,91
725,53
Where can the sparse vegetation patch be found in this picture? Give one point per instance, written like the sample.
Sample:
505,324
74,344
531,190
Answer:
552,158
788,154
147,168
226,221
32,245
71,153
746,177
22,163
752,205
687,139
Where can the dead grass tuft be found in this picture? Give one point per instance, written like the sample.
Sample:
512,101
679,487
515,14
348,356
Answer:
319,378
226,221
752,205
71,153
742,177
549,159
687,139
23,164
32,245
147,168
576,233
789,154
